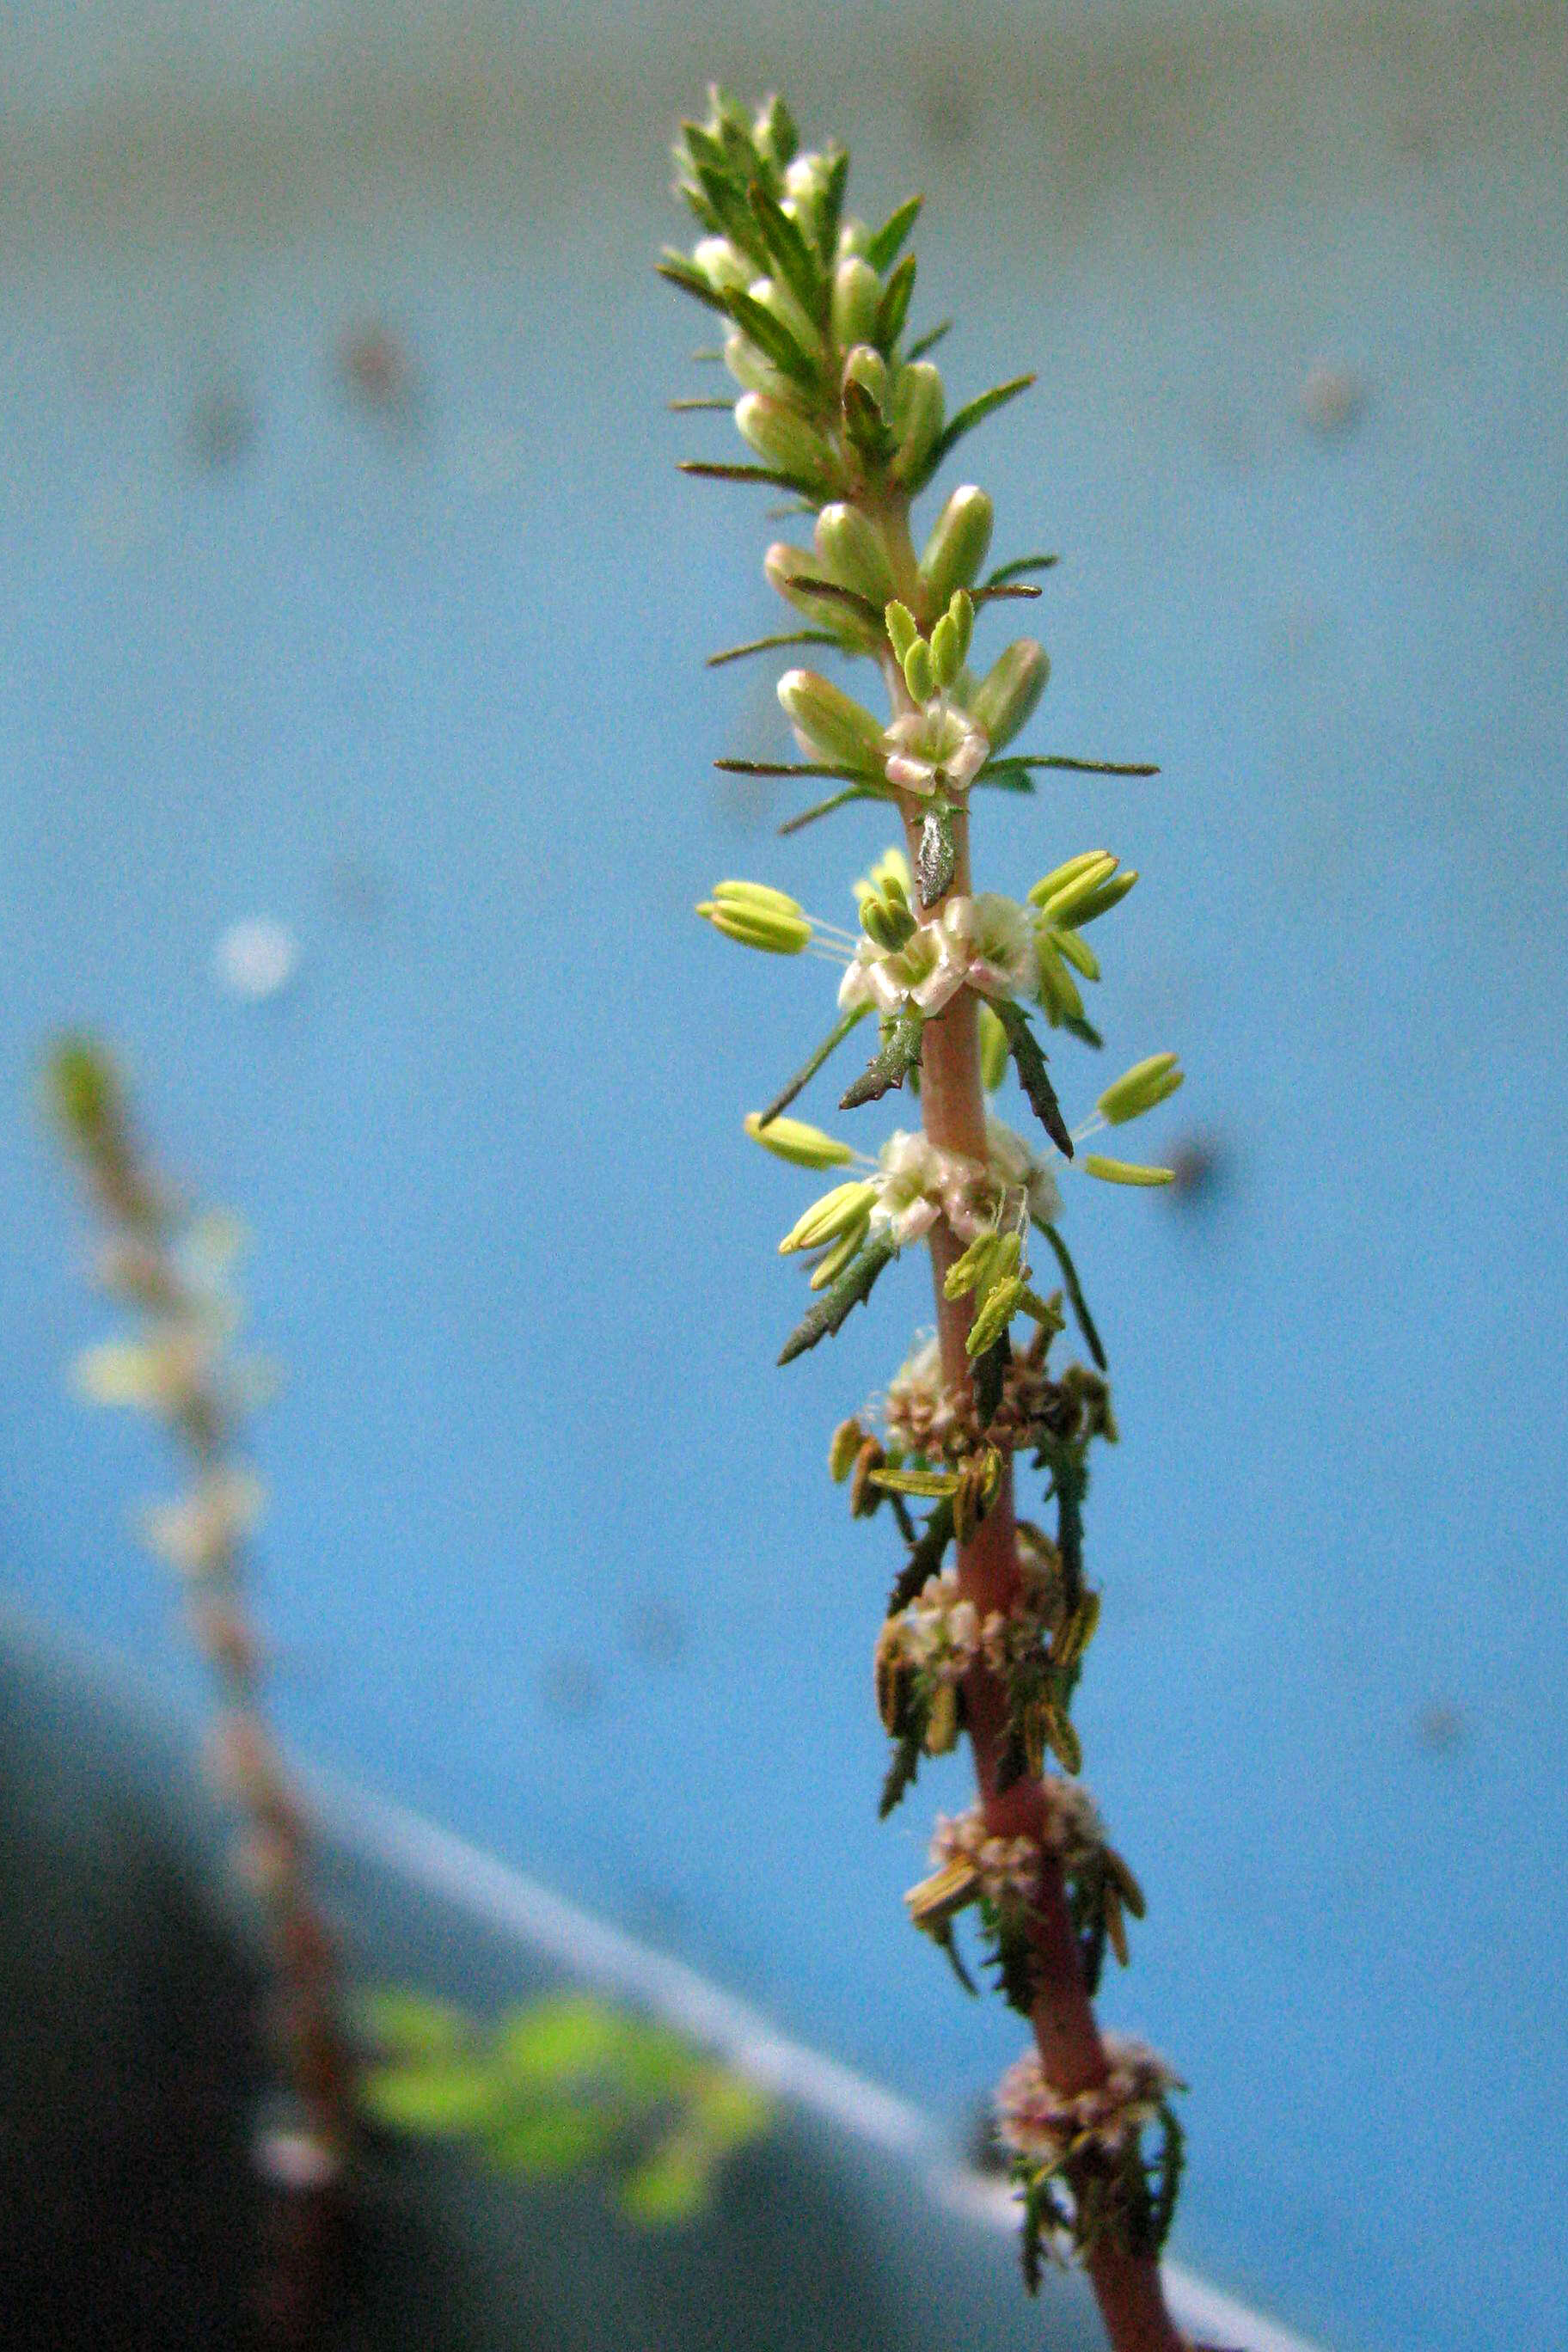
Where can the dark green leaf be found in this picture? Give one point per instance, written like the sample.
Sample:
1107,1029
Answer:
785,768
936,855
1017,568
690,280
929,341
882,248
1171,2161
941,1935
825,808
767,644
1083,1031
830,207
713,473
797,265
925,1557
864,421
1075,1292
730,207
902,1772
973,412
1085,767
990,1375
807,583
771,338
1012,590
803,1078
1032,1076
894,308
898,1054
1007,775
836,1303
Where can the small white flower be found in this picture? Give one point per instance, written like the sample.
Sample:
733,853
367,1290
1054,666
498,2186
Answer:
939,745
940,1630
987,944
1008,1868
1046,2126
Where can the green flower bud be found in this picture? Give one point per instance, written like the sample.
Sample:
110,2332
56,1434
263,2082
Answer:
782,436
1009,690
775,296
901,630
961,613
845,1210
886,921
918,408
841,729
801,1145
750,368
1124,1172
865,367
1002,1303
837,1258
920,671
721,266
1140,1088
854,552
992,1050
959,543
1062,906
946,652
783,565
1060,876
1077,951
756,917
1110,894
856,294
1058,989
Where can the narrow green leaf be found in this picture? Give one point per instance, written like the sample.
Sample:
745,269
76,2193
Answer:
809,584
785,768
894,308
768,645
710,472
942,1936
1012,590
834,1307
803,1078
884,245
825,808
773,340
902,1772
1084,767
898,1054
690,280
1006,775
1032,1076
797,265
929,341
695,407
1017,568
1074,1290
925,1557
830,209
973,413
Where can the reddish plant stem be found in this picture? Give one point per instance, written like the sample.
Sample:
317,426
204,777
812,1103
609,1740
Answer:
953,1107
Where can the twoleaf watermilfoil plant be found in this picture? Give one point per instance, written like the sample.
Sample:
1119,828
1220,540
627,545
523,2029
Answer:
990,1615
168,1268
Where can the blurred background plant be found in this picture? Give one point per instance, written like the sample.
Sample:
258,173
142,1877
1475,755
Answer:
567,2084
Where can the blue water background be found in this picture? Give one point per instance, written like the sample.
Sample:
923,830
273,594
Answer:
550,1550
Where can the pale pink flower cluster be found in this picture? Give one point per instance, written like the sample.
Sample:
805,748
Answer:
986,943
939,1633
1012,1638
1072,1826
919,1183
920,1410
1048,2125
1007,1868
939,745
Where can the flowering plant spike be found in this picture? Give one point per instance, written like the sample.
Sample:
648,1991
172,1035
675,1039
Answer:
843,409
